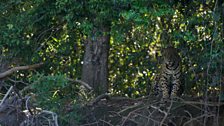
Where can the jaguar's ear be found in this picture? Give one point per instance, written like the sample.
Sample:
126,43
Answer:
162,51
177,50
159,59
157,55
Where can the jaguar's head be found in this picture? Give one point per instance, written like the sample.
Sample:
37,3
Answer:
170,56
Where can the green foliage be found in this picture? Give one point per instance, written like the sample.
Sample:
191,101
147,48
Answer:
56,94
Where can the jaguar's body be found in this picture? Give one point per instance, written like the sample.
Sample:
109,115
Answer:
169,79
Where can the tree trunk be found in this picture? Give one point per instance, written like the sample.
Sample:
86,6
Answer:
222,36
95,62
4,64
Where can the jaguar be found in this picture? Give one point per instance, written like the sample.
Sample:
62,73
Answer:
168,81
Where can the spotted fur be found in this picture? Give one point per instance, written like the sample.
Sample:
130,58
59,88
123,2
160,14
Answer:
168,81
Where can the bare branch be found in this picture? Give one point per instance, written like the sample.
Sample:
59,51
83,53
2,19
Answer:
166,114
14,69
6,95
98,98
81,82
108,123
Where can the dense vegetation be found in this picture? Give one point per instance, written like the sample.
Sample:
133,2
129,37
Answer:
121,38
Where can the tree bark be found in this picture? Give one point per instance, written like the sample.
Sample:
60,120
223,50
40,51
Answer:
95,62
